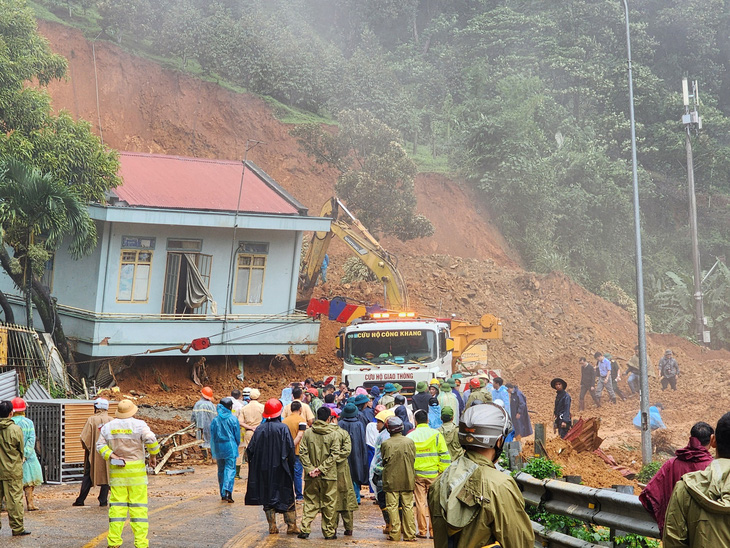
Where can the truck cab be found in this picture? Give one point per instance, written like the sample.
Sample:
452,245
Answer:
404,350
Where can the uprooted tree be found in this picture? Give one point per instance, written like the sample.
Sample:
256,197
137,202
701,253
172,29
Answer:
376,174
64,150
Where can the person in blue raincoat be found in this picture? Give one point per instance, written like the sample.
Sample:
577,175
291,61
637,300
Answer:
225,437
655,419
434,414
286,397
203,415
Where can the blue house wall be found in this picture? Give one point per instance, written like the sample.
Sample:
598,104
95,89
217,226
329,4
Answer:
101,325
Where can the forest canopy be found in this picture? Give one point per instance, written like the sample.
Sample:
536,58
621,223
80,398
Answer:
528,100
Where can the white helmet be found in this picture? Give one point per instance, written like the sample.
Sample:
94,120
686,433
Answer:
483,425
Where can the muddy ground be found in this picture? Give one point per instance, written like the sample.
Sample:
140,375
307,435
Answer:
184,510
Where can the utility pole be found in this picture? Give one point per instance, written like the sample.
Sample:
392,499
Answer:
692,122
646,452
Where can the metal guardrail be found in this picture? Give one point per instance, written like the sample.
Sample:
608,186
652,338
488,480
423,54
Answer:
553,539
604,507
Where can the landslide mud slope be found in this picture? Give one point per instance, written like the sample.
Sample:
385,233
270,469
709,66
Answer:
465,268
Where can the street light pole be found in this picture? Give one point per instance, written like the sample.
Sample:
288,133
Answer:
692,121
646,452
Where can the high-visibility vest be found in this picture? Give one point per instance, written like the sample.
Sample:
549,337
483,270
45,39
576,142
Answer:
432,455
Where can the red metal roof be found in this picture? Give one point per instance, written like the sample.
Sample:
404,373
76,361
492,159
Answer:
176,182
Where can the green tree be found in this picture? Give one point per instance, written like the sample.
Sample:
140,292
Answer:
64,149
180,30
376,174
36,213
120,17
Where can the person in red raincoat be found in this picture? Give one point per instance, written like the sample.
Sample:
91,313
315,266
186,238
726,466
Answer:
695,456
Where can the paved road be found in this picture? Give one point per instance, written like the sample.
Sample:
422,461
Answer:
185,510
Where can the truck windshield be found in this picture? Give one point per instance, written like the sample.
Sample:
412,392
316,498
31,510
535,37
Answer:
390,346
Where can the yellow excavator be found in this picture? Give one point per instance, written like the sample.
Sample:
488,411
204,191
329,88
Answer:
351,231
466,334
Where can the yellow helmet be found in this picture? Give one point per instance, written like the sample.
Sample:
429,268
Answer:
435,382
383,415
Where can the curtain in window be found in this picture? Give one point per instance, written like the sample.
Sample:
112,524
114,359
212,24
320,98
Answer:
196,292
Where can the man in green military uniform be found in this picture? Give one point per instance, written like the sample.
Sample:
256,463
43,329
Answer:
11,468
346,500
699,509
319,451
479,392
451,433
472,504
399,480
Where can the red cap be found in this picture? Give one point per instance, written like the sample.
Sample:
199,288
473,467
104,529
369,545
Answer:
207,393
474,382
18,405
313,391
272,409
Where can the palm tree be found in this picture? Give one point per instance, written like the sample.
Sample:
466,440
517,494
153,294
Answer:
37,212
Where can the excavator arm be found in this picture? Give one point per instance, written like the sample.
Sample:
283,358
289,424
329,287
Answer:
351,231
466,334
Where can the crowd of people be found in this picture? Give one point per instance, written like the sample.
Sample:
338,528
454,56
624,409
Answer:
328,447
115,452
605,375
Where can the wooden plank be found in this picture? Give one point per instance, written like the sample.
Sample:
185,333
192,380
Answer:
75,416
174,450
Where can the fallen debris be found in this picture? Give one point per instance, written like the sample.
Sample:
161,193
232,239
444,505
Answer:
178,472
584,435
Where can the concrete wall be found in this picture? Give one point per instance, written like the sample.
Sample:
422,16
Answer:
282,263
91,285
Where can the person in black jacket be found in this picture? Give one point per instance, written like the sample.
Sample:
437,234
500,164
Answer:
358,458
587,383
421,397
561,411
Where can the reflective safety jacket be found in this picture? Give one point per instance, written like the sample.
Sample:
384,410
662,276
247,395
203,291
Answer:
125,438
432,455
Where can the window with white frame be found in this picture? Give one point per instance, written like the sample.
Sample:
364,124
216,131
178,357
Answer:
250,270
134,270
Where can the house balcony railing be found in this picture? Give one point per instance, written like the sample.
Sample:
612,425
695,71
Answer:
84,314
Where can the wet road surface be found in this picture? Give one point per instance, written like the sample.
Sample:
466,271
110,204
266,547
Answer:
184,510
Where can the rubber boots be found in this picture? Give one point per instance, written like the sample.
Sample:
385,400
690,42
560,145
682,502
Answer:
238,471
290,518
598,401
271,518
29,499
